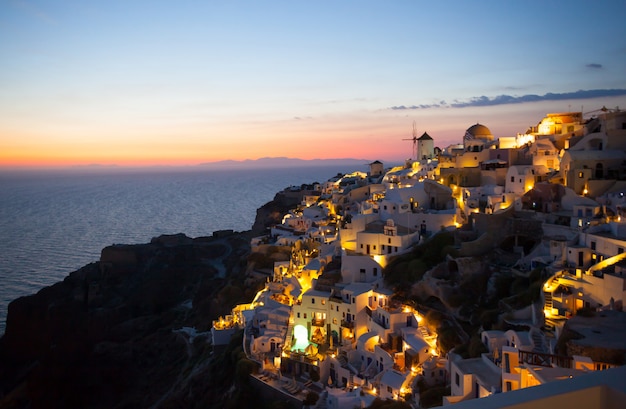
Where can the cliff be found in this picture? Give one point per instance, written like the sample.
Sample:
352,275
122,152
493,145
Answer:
132,329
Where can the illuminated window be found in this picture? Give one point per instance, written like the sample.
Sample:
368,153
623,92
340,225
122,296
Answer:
580,175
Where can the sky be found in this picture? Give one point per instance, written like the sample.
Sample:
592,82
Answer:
186,82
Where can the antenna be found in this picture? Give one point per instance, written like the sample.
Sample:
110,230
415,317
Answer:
414,139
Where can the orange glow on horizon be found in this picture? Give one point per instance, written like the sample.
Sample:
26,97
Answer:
365,135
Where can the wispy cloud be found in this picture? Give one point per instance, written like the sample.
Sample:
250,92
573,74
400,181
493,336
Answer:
594,66
510,99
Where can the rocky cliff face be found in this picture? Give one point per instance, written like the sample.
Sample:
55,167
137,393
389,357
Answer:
118,332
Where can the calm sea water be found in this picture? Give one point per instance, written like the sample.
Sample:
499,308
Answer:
52,224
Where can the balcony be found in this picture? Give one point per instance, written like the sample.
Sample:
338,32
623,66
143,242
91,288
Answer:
347,324
318,322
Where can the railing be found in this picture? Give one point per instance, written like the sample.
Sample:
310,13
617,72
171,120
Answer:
347,324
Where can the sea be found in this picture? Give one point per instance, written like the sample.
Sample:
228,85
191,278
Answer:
52,223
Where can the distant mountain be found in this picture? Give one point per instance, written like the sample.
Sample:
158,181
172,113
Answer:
284,162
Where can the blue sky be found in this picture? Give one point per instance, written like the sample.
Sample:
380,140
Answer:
184,82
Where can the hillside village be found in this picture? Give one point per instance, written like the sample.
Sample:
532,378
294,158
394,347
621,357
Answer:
487,267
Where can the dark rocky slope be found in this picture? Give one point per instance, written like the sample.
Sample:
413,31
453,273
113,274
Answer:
114,334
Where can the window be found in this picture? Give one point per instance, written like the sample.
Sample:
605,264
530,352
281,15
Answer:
507,363
298,315
383,247
323,302
305,315
512,179
509,386
361,245
374,247
335,321
389,241
312,300
389,389
352,300
457,379
581,175
593,245
375,274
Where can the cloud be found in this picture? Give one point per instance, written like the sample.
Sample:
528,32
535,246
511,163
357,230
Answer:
483,101
421,106
594,66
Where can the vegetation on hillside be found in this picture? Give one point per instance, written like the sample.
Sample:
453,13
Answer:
409,268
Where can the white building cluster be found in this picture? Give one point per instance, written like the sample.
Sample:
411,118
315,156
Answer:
325,321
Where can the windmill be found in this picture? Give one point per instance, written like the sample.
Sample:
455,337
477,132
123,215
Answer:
414,139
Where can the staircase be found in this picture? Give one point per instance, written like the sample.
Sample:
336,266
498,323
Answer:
539,343
289,335
548,297
343,359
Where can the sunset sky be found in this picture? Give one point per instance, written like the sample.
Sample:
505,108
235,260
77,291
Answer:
186,82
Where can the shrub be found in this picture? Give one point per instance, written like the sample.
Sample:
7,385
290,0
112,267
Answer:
433,397
311,399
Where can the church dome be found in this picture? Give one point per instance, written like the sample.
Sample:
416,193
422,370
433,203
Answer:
478,131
